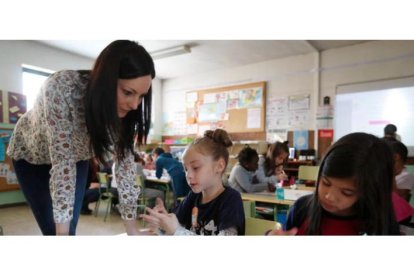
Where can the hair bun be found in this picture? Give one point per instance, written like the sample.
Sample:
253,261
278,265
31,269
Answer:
219,136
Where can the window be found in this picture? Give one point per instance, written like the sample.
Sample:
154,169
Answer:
33,78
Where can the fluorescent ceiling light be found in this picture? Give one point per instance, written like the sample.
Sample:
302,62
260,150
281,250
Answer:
169,52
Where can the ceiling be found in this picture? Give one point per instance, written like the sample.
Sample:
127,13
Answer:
208,55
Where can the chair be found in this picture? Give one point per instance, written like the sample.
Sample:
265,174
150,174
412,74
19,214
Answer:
410,168
308,173
258,227
104,194
249,208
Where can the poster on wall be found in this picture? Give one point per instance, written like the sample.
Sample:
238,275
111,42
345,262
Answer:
251,98
277,113
17,106
299,102
300,139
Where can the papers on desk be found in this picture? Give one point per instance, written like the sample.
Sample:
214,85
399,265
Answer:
295,194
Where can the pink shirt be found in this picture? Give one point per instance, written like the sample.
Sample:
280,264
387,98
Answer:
402,209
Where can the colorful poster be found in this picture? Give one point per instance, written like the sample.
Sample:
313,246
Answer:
17,106
250,98
233,104
208,113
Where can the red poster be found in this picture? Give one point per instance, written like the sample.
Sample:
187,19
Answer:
325,133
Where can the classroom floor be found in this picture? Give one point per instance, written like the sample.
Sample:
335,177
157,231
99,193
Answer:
19,220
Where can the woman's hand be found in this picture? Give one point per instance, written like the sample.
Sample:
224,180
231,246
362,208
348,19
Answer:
62,229
131,227
158,217
281,232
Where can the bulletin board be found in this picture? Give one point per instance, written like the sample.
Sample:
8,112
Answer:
8,181
237,109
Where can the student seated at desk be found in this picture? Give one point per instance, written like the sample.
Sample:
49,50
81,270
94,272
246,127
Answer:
174,168
210,208
404,180
241,176
139,169
353,194
270,168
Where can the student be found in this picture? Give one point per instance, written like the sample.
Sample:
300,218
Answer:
149,162
78,115
175,170
353,194
271,166
404,180
139,169
390,133
210,208
241,176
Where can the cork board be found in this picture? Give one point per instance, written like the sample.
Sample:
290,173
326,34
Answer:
240,108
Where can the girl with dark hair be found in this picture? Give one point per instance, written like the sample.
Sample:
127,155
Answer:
79,115
241,176
210,208
271,166
353,194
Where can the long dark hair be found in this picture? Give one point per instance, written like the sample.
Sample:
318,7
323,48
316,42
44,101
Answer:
369,161
122,59
272,152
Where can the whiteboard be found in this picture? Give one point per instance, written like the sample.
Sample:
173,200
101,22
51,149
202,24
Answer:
369,107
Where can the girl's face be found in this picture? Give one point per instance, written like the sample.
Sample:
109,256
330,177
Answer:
130,93
252,165
280,158
338,195
202,172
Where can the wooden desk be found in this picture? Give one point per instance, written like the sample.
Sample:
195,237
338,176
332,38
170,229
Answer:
162,180
266,197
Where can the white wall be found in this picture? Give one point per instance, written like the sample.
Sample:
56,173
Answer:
14,53
284,77
370,61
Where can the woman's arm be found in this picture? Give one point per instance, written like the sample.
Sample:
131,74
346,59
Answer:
59,128
128,190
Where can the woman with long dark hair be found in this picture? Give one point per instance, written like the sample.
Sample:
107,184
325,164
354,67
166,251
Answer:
78,115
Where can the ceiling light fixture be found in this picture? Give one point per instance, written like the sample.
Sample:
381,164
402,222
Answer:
169,52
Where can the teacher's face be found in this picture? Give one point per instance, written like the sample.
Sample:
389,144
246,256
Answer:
130,93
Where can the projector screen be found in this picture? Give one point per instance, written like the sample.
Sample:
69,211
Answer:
370,107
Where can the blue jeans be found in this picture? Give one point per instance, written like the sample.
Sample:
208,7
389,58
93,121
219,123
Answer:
34,183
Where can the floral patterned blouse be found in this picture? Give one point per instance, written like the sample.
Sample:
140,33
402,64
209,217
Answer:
54,132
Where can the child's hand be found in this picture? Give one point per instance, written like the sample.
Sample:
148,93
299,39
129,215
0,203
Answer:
281,176
160,219
159,206
281,232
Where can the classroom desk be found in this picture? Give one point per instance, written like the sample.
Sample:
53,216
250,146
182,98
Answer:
162,184
266,197
162,180
270,197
